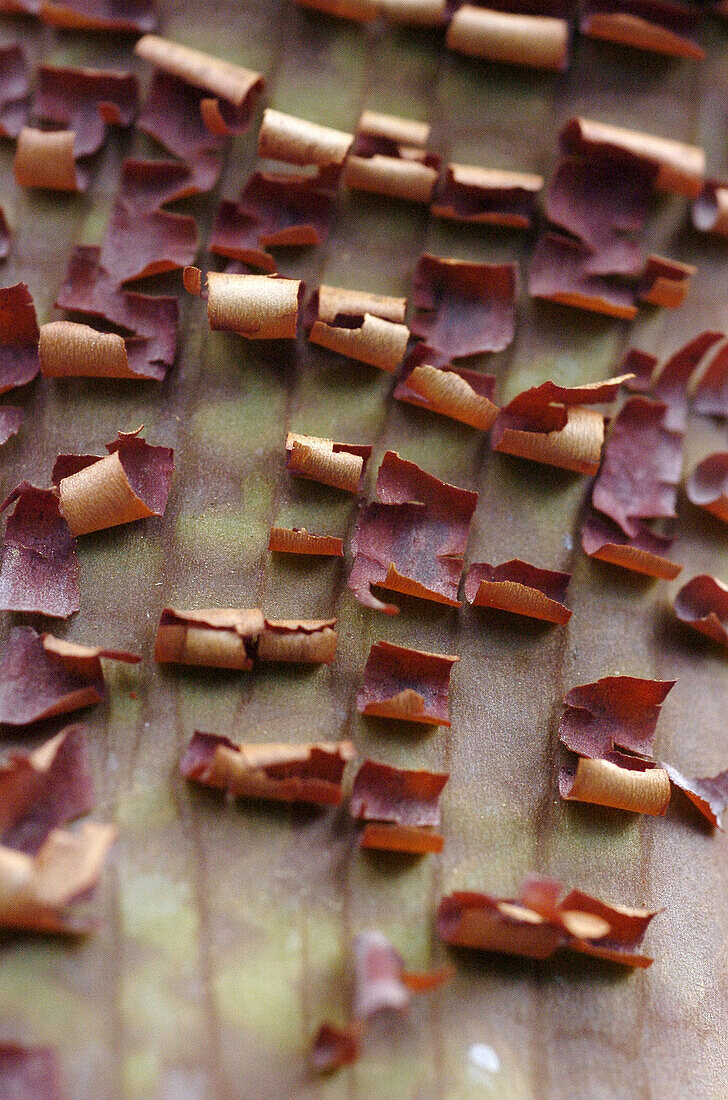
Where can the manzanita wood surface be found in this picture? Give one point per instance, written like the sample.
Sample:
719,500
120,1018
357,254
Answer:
227,927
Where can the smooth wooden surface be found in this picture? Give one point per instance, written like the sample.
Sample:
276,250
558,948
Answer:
227,927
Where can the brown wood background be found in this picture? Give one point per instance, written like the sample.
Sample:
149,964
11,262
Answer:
227,927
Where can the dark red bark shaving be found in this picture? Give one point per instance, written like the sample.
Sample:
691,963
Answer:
616,712
423,679
35,799
148,469
702,603
642,365
604,203
670,384
547,582
708,795
399,795
10,420
711,392
19,362
679,19
86,101
29,1073
272,211
464,308
560,272
334,1047
171,115
641,466
39,571
4,235
123,16
510,206
707,486
542,408
421,353
420,531
37,682
600,538
14,90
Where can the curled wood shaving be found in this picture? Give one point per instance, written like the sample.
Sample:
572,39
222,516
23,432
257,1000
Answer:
487,196
643,791
520,588
539,42
297,540
296,141
237,638
462,395
45,159
336,464
259,307
702,603
71,350
361,11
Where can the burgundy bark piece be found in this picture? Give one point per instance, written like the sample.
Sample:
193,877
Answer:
19,362
560,272
641,467
398,795
707,486
10,420
536,924
42,676
171,115
604,203
642,365
665,282
663,26
272,212
39,571
616,712
151,320
4,235
45,789
709,211
414,541
670,383
378,969
29,1073
464,308
702,603
475,408
14,89
406,684
711,392
86,101
643,553
122,16
709,795
520,588
485,197
279,772
137,245
334,1047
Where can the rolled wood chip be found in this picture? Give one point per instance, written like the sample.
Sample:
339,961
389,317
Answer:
281,772
19,362
616,712
707,486
577,446
29,1073
711,389
397,795
487,196
406,684
362,11
462,395
665,282
407,839
334,1047
14,89
339,465
709,795
464,308
132,483
643,553
661,26
481,922
41,677
641,788
46,159
681,168
520,588
422,13
71,350
388,157
297,540
710,209
259,307
362,326
36,892
237,638
39,571
404,133
702,603
539,42
124,16
560,272
296,141
233,90
10,420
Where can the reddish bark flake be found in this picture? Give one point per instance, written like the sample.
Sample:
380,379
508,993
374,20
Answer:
561,272
19,363
14,90
702,603
406,684
400,796
86,101
645,552
707,486
661,26
39,571
44,789
670,382
464,308
711,390
171,115
10,420
334,1047
616,712
641,467
709,795
485,196
29,1073
43,676
665,282
536,924
461,394
520,588
414,541
121,16
381,982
